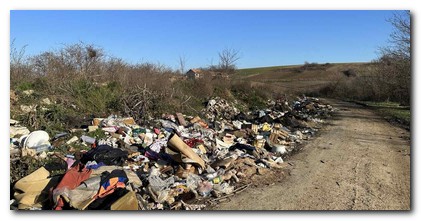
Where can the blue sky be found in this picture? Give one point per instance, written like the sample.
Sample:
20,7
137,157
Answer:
263,38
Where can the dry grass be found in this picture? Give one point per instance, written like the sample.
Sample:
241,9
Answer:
85,83
299,79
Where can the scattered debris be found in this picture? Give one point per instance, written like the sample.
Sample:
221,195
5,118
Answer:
28,92
177,162
28,108
46,101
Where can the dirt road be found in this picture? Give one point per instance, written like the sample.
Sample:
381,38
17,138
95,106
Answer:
359,162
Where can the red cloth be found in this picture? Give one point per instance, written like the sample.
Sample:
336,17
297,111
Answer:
192,142
72,179
156,130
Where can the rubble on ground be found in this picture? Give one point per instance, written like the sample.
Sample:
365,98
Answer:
177,162
218,108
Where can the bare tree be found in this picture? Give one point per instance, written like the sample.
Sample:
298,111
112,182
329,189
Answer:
182,62
401,35
16,56
228,58
394,67
18,63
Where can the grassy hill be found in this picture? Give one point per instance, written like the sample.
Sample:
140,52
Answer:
301,78
261,70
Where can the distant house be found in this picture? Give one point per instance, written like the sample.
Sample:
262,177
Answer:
195,73
199,73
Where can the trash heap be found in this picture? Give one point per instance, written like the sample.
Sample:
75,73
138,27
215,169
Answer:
177,163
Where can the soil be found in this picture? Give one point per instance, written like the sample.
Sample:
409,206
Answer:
358,161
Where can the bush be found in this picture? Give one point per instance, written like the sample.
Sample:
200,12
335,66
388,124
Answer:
349,73
85,83
25,85
254,97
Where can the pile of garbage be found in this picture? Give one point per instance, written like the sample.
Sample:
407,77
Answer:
178,163
218,108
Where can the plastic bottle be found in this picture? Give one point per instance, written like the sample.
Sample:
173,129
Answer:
42,148
86,139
